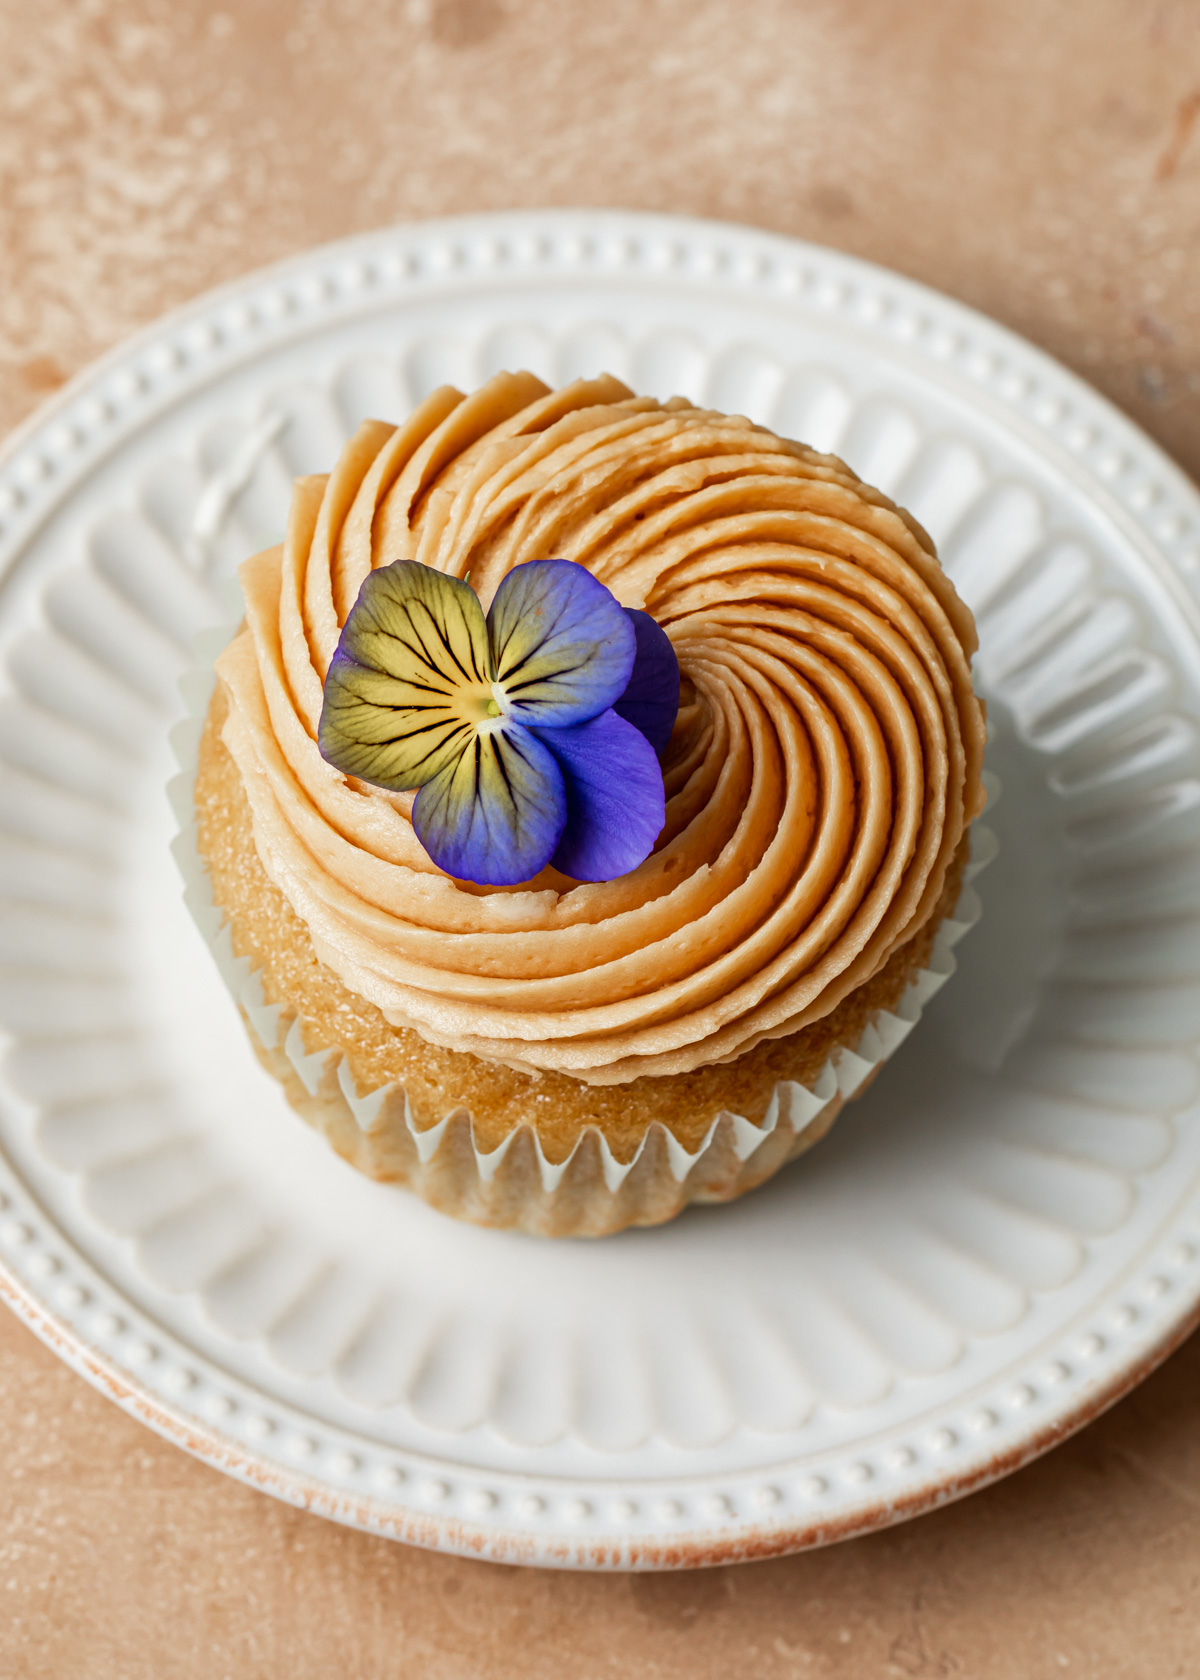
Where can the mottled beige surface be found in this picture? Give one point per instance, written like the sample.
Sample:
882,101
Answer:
1039,161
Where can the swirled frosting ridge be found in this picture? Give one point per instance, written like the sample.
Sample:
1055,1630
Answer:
823,769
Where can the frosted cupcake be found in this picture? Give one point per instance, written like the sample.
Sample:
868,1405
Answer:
586,793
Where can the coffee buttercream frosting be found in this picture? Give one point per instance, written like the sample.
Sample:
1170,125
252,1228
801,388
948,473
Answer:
820,779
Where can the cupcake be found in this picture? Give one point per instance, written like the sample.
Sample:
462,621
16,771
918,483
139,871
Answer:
584,800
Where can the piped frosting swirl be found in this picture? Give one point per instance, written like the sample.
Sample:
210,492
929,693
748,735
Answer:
822,772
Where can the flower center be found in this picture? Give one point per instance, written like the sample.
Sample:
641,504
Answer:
479,705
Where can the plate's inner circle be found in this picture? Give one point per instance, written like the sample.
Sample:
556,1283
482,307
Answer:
1017,1160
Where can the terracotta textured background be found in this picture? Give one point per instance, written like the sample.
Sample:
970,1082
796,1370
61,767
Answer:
1040,161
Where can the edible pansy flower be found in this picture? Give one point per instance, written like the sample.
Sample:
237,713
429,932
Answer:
532,735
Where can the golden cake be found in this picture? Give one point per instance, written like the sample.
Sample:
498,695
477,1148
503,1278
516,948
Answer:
566,1055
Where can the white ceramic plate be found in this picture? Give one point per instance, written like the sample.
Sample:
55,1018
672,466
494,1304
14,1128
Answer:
994,1243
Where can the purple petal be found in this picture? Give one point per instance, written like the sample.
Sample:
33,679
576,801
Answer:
493,815
651,698
562,645
614,791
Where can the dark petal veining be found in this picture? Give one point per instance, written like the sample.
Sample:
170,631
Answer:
562,645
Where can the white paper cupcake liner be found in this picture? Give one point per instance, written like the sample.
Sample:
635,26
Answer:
591,1192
